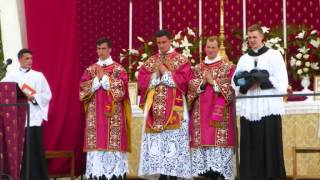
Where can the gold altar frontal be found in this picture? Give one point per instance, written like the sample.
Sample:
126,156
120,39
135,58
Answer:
299,127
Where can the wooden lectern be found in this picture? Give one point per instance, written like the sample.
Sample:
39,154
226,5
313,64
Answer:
13,109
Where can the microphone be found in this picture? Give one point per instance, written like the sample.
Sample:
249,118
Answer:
7,63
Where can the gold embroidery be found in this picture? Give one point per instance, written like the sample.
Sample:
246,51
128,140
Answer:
91,125
173,61
117,89
115,128
159,107
196,121
222,129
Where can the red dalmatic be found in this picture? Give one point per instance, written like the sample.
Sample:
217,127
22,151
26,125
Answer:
164,104
107,111
211,119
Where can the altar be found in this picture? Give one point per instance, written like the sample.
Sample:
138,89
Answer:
300,128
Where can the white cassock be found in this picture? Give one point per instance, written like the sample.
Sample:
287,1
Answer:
38,82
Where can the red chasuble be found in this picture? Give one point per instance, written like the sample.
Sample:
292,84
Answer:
164,104
107,112
211,119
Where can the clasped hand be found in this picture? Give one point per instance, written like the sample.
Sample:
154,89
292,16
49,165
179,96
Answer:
162,69
207,78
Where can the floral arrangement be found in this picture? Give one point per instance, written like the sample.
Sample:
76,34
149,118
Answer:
271,41
306,60
136,57
185,42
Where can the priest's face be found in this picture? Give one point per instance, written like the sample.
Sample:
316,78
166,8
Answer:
255,39
103,51
163,43
212,49
26,61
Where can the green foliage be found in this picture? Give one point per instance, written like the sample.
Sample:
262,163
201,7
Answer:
2,72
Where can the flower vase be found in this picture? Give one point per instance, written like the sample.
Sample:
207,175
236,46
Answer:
305,83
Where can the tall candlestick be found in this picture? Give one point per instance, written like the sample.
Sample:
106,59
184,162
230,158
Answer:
284,24
244,20
200,29
160,14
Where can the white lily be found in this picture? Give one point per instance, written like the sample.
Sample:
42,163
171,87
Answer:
303,50
178,35
190,32
274,40
265,29
140,39
305,69
301,34
314,66
144,55
186,52
306,56
298,63
299,56
122,57
244,46
314,32
175,44
299,71
133,51
185,43
269,44
293,61
307,64
315,43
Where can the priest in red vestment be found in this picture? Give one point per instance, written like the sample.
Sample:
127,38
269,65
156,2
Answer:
104,93
162,83
211,121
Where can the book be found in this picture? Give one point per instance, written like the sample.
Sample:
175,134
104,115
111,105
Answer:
28,90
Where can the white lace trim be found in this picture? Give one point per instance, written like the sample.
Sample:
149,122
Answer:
216,159
167,79
106,163
166,153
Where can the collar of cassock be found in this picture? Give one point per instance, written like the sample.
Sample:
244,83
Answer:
209,61
258,52
171,50
105,62
24,70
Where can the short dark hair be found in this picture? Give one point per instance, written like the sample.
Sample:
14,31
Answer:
104,40
255,27
213,39
23,51
163,32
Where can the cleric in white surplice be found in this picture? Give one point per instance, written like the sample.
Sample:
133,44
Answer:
37,90
261,71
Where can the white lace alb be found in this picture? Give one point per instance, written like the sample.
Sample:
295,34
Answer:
166,153
212,158
106,163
